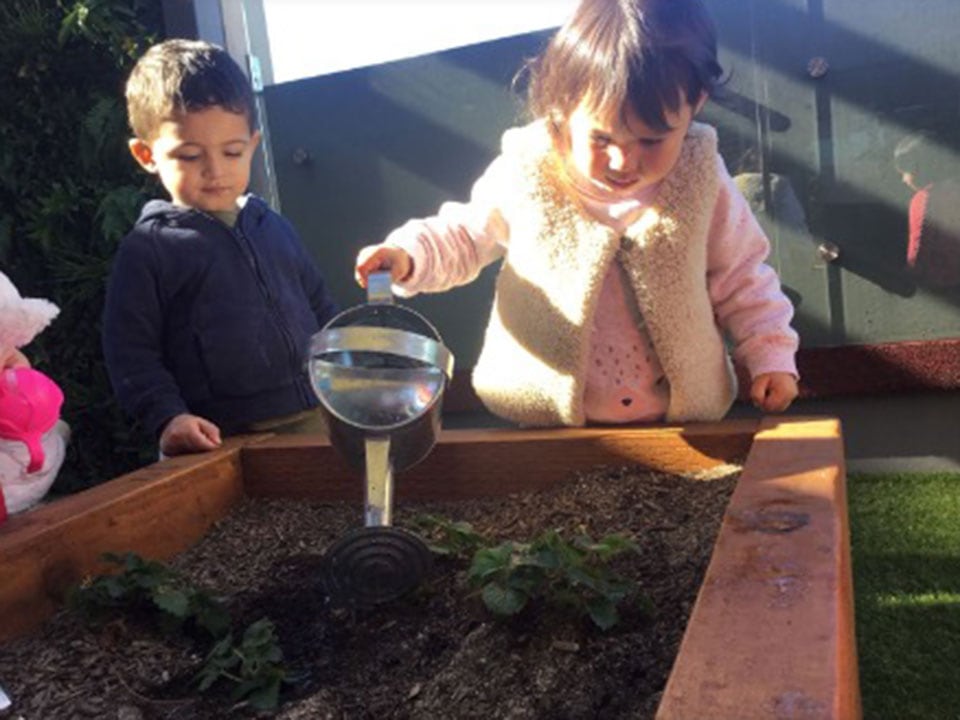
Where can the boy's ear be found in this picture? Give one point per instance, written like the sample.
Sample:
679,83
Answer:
254,140
142,154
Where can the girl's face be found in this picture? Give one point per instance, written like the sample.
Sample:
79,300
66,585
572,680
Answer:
621,154
203,158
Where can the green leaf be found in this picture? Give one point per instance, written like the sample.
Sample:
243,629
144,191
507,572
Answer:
603,613
581,576
172,600
448,537
267,697
502,600
545,558
114,586
490,561
210,615
218,662
259,634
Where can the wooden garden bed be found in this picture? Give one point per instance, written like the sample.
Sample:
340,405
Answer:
771,634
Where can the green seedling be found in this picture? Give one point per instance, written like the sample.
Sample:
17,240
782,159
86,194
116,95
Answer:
448,537
573,574
151,585
254,665
568,574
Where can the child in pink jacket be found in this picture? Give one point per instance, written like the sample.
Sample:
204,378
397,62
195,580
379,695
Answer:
629,256
32,438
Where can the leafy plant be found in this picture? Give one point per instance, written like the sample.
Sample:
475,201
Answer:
575,574
148,584
68,192
448,537
254,665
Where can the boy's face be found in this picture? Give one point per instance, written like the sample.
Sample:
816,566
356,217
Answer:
202,157
620,153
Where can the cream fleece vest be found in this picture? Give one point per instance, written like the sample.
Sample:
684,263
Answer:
532,368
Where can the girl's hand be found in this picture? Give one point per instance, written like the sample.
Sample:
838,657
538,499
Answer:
382,257
13,358
188,433
773,392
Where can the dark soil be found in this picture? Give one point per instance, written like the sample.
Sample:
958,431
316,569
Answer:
436,653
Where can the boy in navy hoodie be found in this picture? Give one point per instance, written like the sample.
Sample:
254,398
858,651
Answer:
212,297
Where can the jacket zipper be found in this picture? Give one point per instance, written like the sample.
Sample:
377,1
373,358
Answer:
246,247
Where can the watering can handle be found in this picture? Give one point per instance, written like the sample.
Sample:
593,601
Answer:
380,288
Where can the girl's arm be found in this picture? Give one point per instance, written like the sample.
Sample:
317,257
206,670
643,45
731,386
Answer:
746,295
448,249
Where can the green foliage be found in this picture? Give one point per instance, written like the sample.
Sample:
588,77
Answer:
446,537
149,584
574,574
68,192
254,665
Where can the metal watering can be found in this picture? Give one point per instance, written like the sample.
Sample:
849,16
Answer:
379,370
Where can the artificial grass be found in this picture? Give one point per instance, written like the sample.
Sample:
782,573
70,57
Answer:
905,544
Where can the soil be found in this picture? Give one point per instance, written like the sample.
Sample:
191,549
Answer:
435,653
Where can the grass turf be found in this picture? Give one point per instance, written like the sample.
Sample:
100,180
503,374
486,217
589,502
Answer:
905,531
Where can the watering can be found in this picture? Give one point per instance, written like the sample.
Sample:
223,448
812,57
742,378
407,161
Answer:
30,405
380,371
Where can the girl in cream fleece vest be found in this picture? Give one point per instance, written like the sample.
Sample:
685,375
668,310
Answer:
627,251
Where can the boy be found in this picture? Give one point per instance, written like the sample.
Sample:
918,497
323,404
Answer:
212,298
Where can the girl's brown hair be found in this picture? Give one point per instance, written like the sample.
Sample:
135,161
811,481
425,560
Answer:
627,53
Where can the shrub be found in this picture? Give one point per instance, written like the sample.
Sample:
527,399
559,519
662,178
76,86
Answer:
68,192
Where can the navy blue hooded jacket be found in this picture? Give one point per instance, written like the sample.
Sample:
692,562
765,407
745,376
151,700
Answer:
213,321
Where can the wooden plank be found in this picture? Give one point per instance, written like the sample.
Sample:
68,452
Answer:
481,463
771,634
157,511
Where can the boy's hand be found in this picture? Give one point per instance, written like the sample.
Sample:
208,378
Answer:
188,433
13,358
382,257
773,392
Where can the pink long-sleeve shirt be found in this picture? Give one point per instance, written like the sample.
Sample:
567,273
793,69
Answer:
625,382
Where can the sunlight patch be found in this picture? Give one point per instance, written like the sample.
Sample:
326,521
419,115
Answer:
918,599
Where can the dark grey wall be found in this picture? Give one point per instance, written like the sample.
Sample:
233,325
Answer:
360,152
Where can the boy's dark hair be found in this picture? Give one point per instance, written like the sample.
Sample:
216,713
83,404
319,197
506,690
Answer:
619,52
178,76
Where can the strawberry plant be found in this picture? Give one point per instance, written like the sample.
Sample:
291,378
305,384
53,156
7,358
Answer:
573,574
449,537
150,585
254,664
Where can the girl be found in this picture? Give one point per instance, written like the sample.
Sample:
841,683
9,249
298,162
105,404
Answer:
30,456
626,247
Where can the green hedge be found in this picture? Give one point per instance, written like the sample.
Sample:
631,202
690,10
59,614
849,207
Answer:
69,190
